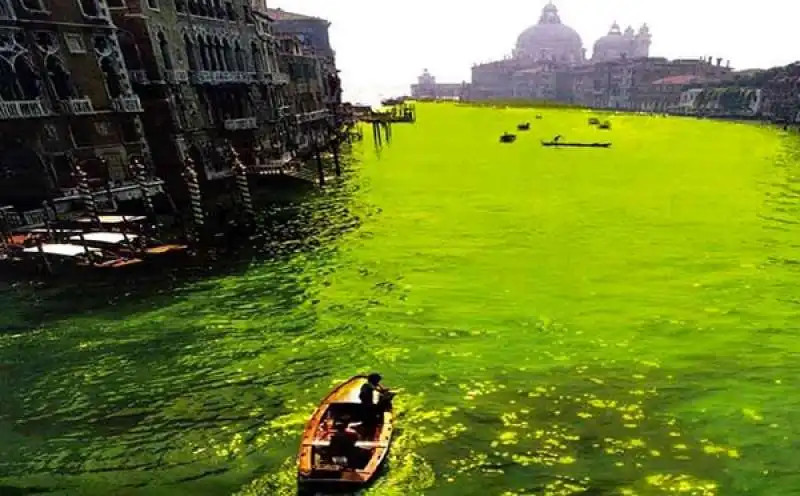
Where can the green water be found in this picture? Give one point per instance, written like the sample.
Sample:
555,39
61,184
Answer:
603,322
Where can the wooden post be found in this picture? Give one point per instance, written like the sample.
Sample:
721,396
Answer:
140,174
4,234
83,243
320,168
47,224
47,266
195,200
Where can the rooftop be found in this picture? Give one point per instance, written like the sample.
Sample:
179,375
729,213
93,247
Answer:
678,80
283,15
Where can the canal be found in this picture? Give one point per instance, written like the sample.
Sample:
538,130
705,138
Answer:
584,321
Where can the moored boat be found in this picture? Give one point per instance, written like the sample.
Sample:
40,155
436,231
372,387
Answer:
317,464
584,145
58,257
128,244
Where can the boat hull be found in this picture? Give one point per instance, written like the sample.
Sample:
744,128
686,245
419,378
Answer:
577,145
313,467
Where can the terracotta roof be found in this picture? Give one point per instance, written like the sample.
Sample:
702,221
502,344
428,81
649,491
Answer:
678,80
283,15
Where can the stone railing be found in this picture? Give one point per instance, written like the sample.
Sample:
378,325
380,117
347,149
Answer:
77,106
242,123
202,77
177,76
23,109
212,174
128,104
223,77
139,76
312,116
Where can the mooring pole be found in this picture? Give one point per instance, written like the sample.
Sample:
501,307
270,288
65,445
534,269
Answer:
320,168
140,176
195,199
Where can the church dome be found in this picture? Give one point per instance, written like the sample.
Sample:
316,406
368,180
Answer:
550,39
615,44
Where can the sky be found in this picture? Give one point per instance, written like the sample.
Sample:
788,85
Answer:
382,46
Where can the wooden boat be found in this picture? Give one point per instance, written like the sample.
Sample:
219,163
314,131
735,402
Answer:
58,256
317,465
594,121
524,126
508,138
584,145
129,244
604,125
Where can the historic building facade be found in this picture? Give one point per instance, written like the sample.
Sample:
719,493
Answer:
428,88
549,62
315,95
207,73
66,100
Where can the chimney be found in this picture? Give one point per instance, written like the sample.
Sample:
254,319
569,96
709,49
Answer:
719,61
710,60
727,64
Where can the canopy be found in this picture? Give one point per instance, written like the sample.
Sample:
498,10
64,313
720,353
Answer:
60,249
111,238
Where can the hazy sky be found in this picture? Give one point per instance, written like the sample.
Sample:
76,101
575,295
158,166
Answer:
382,46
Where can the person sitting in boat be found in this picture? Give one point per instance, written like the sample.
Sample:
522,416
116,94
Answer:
558,137
343,441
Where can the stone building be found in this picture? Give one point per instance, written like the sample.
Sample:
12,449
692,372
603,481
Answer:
64,89
207,73
428,88
310,60
549,62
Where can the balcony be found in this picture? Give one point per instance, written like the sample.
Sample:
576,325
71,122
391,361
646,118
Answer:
240,124
139,77
77,106
223,77
202,77
177,76
212,174
312,116
280,78
127,104
23,109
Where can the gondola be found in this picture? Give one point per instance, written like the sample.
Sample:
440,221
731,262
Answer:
524,126
583,145
317,465
508,138
128,244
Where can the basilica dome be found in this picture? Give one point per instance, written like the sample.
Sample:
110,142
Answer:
550,40
616,44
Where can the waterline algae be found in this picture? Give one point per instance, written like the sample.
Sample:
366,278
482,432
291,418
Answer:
616,321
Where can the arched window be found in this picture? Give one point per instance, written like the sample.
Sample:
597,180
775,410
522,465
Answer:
191,55
28,78
241,65
218,51
256,54
130,51
165,51
90,8
113,79
193,7
228,62
60,78
202,45
9,89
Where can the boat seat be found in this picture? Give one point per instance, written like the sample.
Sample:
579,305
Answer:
359,444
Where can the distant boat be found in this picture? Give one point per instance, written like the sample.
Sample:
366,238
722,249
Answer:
316,465
524,126
508,138
584,145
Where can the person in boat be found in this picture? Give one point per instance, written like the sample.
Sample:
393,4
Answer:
343,440
374,411
558,137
